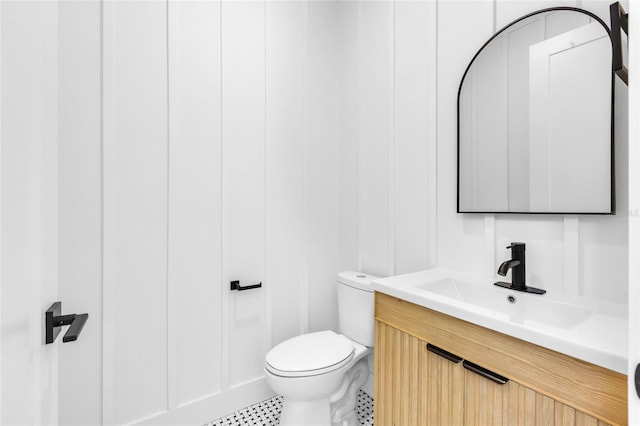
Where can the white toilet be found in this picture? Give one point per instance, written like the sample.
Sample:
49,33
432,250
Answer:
319,374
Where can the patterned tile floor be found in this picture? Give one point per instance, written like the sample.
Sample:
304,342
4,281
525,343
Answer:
267,413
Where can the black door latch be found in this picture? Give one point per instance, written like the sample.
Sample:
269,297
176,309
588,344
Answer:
54,320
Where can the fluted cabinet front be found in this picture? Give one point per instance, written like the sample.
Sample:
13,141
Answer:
418,383
413,385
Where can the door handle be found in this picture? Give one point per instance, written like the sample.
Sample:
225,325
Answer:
54,320
235,285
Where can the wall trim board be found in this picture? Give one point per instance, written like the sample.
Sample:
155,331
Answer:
432,254
571,247
359,121
212,407
490,245
224,230
108,219
304,172
172,350
266,182
391,149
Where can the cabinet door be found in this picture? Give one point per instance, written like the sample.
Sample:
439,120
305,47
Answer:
412,385
489,403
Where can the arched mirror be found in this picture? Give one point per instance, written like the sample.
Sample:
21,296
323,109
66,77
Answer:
535,118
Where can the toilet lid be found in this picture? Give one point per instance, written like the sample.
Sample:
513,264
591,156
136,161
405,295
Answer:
309,354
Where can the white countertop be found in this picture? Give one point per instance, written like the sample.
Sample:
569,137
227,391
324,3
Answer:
590,330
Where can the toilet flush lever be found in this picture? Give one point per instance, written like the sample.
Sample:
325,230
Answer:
235,285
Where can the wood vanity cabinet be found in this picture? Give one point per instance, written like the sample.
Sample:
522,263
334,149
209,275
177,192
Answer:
414,386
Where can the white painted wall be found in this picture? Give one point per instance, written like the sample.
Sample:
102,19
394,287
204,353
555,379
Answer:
387,135
400,192
199,145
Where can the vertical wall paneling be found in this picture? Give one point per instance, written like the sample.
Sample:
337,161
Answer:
268,270
508,10
171,318
348,143
414,59
572,254
194,211
433,137
80,207
304,283
375,111
460,237
243,139
490,266
358,117
392,142
284,158
108,216
604,240
321,108
135,203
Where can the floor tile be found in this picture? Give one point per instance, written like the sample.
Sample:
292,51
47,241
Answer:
267,413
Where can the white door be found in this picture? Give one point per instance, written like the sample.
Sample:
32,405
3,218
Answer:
556,132
50,210
29,374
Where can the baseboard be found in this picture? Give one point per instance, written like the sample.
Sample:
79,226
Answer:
212,407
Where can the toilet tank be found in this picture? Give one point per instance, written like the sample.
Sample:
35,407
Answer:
355,306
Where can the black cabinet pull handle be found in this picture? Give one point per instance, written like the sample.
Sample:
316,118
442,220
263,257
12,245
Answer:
487,374
53,321
445,354
235,285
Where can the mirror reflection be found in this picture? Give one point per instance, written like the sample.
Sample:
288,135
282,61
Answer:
535,118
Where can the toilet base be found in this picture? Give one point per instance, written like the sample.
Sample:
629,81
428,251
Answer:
308,413
337,409
343,401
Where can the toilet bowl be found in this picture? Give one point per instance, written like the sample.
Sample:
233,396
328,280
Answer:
319,374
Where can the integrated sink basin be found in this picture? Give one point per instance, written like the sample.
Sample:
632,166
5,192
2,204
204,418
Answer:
521,308
589,330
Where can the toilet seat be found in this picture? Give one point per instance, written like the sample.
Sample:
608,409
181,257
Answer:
309,355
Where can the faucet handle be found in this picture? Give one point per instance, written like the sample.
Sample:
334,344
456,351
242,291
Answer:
516,245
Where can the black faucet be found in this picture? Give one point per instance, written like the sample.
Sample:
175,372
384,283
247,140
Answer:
517,266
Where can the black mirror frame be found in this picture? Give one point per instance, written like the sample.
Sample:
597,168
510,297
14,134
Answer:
613,74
